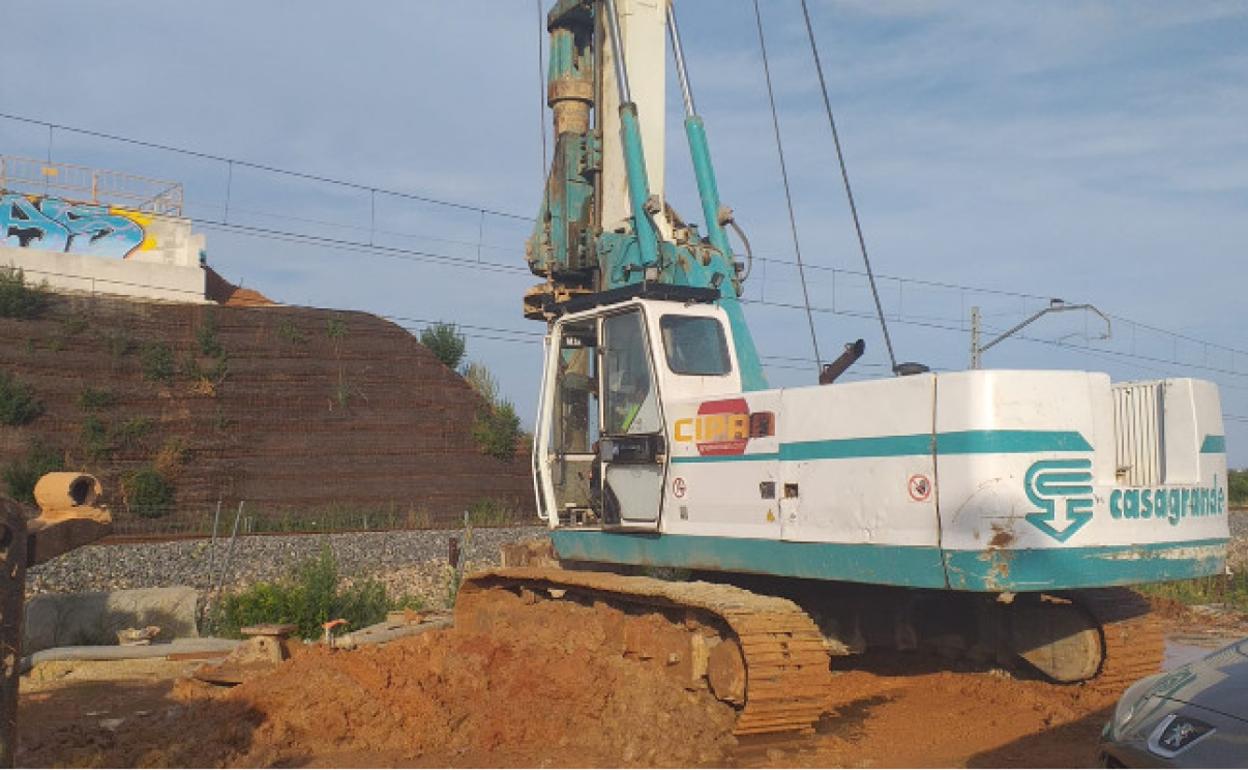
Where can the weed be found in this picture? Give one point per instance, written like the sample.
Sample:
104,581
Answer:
18,299
445,342
147,493
119,343
92,399
74,324
336,328
171,457
1231,590
21,475
496,430
56,344
156,361
310,595
18,404
288,331
206,337
220,421
32,345
130,434
489,512
479,377
96,442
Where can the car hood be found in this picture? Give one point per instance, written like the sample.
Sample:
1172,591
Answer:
1218,681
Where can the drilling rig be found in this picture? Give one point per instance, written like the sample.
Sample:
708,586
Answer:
1001,513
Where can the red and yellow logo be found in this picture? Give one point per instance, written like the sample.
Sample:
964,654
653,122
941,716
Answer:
724,427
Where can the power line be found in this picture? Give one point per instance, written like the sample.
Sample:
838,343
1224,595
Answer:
261,167
417,255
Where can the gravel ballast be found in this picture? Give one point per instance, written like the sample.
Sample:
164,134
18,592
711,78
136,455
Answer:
411,555
410,561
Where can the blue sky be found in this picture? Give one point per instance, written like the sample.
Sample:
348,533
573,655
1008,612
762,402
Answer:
1090,151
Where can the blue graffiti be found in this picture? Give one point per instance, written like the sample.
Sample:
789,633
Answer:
53,224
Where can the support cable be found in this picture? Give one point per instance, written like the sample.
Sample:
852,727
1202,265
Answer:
849,193
541,86
784,175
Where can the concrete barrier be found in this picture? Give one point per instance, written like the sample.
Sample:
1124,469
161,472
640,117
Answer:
64,620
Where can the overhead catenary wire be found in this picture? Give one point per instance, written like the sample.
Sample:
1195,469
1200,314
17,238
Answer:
262,167
849,192
784,176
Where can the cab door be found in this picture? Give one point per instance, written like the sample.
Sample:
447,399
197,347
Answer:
632,449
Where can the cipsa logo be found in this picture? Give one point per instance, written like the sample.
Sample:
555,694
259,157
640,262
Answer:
724,427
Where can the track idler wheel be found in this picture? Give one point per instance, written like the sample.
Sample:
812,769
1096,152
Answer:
1058,637
725,672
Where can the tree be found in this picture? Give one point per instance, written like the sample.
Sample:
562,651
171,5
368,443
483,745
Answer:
1238,487
445,342
497,430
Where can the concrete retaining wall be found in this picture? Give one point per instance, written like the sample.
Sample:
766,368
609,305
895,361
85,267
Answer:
63,620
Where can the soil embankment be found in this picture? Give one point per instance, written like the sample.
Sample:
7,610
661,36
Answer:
300,412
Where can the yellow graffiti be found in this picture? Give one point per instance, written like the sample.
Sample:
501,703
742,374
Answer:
142,220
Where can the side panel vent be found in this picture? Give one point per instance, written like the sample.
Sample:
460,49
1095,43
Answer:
1139,458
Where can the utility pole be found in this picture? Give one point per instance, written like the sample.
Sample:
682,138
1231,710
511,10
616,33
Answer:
1055,306
975,337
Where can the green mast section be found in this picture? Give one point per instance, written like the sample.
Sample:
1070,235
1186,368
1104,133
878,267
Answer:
568,246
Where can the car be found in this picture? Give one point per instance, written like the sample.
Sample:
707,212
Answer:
1193,716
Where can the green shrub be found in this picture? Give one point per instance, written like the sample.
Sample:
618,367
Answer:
130,434
311,595
445,342
74,324
1238,487
20,476
156,361
91,399
19,299
119,343
479,377
497,431
147,494
18,404
288,331
336,328
97,444
206,337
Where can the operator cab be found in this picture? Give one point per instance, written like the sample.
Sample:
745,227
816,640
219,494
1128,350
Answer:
600,453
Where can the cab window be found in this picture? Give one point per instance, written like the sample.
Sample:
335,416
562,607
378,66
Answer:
695,345
630,403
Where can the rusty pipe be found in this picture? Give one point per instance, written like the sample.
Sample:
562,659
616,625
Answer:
853,351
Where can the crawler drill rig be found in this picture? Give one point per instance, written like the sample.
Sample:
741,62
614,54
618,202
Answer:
999,515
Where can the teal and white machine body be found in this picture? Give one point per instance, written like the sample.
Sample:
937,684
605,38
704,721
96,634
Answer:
660,443
981,480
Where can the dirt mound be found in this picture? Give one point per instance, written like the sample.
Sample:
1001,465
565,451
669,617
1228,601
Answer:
446,698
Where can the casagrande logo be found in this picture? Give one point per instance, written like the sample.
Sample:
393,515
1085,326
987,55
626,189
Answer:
1172,504
1062,490
1068,482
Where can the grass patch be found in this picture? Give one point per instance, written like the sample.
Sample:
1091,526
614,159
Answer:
21,475
94,399
1231,590
287,330
312,594
19,299
489,512
18,404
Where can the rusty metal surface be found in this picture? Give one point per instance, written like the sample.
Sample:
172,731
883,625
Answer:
788,681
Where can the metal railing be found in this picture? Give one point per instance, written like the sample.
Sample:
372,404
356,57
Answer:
81,183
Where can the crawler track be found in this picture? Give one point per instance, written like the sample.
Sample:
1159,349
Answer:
786,661
1134,643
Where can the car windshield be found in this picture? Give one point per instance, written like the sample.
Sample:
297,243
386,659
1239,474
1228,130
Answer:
695,345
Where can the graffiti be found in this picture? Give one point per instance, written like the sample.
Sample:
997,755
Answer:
54,224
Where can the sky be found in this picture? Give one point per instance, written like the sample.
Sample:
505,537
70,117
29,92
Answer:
1001,154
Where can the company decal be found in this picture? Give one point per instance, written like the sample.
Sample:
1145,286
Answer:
1068,482
1062,490
1172,504
724,427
